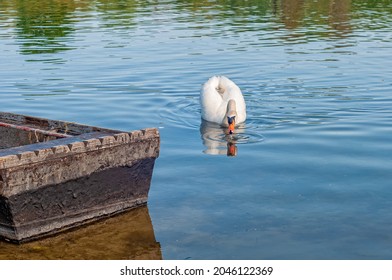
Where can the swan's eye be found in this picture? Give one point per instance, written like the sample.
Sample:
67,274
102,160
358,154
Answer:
230,119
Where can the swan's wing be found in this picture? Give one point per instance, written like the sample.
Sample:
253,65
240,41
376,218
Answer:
211,101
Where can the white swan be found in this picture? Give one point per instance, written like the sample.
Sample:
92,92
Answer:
222,102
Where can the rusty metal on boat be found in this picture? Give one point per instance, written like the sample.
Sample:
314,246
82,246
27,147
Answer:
56,175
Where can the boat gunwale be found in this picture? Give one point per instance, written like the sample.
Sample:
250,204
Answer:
97,138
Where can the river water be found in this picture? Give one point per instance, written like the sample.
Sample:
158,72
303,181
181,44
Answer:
311,178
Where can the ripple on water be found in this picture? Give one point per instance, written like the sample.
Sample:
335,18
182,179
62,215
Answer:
244,134
187,115
181,112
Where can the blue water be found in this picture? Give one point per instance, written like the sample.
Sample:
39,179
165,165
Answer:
311,178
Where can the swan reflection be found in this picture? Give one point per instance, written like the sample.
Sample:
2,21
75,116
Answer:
217,140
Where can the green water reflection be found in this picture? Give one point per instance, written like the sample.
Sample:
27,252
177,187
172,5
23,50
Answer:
49,26
43,26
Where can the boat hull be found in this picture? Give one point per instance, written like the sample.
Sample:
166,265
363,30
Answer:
68,180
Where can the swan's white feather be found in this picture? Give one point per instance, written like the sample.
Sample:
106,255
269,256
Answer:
214,97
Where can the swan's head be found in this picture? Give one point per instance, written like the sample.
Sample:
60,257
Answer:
230,116
231,122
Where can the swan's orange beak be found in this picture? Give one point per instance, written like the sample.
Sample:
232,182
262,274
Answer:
231,128
231,121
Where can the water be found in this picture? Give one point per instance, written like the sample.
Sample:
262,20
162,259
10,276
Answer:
311,175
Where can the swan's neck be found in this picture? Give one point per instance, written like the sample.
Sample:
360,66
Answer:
231,111
231,108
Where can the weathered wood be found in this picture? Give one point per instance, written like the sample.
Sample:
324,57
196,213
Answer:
61,182
35,130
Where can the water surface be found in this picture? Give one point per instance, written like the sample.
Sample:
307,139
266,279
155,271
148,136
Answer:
311,174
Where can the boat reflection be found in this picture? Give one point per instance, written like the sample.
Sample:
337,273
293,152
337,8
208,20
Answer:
126,236
217,141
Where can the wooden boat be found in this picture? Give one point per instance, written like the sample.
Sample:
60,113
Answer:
55,175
